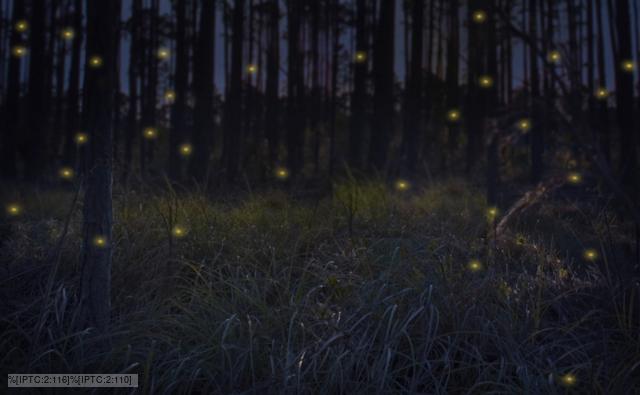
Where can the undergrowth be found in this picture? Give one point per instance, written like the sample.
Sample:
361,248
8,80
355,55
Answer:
369,290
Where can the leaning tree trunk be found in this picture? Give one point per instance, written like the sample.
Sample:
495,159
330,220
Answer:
95,300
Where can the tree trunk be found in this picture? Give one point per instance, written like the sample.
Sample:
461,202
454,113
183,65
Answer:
178,125
295,85
233,105
34,145
383,79
413,121
624,100
358,120
12,101
272,111
95,300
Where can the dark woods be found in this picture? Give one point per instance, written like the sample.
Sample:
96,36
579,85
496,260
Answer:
229,92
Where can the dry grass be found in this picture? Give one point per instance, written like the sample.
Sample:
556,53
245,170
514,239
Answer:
367,291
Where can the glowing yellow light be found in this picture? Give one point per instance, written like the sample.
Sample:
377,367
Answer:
179,231
479,16
521,240
628,66
14,209
66,173
485,81
169,96
282,173
492,213
474,265
67,33
453,115
252,68
81,138
185,149
150,133
590,254
361,56
554,56
602,94
524,125
22,26
95,61
100,241
568,380
163,53
402,185
574,178
19,51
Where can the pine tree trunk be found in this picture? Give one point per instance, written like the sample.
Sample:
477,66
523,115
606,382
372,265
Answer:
33,148
358,120
272,111
12,101
95,298
233,105
383,100
181,76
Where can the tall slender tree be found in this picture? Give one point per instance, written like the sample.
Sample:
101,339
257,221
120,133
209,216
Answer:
33,147
95,298
12,99
233,104
203,89
383,79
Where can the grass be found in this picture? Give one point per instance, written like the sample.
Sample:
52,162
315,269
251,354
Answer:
365,291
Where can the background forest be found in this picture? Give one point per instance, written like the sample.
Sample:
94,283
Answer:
322,196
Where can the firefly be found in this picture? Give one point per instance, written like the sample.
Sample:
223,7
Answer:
453,115
95,61
282,173
524,125
185,149
590,254
402,185
252,68
485,81
554,56
479,16
628,66
67,33
568,380
474,265
602,94
163,53
361,56
170,96
19,51
574,178
179,231
492,213
66,173
100,241
14,209
22,26
150,133
81,138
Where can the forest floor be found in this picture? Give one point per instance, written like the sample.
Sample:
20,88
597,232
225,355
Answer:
369,290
